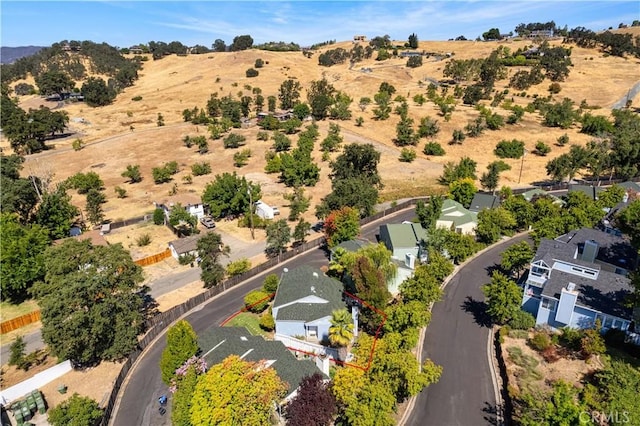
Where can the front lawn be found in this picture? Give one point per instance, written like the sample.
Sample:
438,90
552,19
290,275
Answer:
248,320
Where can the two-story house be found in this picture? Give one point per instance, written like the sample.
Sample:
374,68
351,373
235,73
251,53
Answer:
581,277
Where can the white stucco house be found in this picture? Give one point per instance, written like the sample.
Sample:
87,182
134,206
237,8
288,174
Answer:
190,201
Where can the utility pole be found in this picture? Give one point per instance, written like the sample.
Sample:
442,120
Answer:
522,165
253,237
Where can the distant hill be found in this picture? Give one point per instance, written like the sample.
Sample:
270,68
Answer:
9,55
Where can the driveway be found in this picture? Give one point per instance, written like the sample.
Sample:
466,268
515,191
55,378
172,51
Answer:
457,339
138,400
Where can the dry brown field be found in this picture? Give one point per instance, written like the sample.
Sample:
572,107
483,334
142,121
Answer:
175,83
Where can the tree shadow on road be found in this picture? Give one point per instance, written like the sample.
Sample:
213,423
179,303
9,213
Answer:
491,413
495,267
479,311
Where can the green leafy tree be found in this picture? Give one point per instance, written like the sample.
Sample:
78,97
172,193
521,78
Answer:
56,213
333,140
18,194
132,173
228,195
493,223
371,286
405,133
271,283
357,160
84,182
238,267
241,42
341,331
429,213
462,191
301,231
628,220
185,384
503,298
96,92
298,203
236,392
278,237
341,225
383,107
560,114
516,258
54,82
182,344
17,351
183,222
320,96
21,258
75,411
90,301
422,287
466,168
210,248
289,93
95,200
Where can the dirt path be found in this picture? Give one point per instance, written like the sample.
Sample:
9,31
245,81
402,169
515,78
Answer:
630,95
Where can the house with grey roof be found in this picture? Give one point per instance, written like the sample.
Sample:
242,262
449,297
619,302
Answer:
304,303
483,201
350,246
218,343
454,216
581,277
184,246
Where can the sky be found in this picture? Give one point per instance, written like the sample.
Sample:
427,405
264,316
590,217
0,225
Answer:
126,23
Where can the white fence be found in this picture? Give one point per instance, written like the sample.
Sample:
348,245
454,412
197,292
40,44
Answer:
37,381
301,345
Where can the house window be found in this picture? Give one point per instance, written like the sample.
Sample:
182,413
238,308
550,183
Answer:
608,321
549,304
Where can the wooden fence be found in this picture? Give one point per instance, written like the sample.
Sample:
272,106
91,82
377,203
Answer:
21,321
156,325
155,258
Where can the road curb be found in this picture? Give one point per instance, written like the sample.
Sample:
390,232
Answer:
490,345
196,308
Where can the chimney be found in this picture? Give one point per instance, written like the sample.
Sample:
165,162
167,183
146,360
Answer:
590,251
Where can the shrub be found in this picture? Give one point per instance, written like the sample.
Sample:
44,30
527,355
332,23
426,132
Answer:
494,121
267,322
407,155
143,240
234,140
136,98
259,63
509,149
555,88
160,175
271,282
433,148
238,267
120,192
563,140
570,338
595,125
414,62
258,222
17,351
522,320
186,259
519,334
263,136
540,341
77,144
542,148
251,73
241,158
158,216
256,301
458,137
550,354
281,142
200,169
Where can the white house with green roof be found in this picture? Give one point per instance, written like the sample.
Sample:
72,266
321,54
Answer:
403,239
304,303
455,217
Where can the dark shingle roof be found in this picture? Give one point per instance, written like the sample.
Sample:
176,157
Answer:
217,343
353,245
605,294
185,245
630,185
484,201
305,281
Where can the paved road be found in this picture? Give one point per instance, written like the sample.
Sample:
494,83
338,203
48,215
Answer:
138,404
457,339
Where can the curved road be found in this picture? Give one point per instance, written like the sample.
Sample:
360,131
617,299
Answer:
137,403
457,339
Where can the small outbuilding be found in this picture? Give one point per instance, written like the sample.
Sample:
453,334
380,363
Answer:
263,210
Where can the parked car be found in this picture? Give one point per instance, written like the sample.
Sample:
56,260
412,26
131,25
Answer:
208,222
318,226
